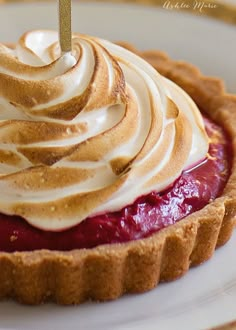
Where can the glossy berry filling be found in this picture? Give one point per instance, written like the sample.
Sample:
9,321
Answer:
193,190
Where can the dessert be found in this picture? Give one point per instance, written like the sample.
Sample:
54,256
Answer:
112,178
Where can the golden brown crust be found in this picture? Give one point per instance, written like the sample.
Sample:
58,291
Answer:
106,272
227,326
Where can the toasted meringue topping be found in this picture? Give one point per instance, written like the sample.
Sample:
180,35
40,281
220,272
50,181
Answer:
88,132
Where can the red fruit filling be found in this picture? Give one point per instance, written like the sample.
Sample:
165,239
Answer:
193,190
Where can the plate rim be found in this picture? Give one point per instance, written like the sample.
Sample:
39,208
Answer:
225,12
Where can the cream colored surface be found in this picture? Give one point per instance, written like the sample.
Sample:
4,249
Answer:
90,132
224,10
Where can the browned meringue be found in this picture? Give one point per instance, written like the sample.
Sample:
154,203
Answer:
88,132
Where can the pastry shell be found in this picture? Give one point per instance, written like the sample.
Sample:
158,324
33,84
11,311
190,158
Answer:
109,271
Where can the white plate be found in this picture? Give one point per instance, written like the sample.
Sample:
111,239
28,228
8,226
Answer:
206,296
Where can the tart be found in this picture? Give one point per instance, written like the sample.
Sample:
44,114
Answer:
42,258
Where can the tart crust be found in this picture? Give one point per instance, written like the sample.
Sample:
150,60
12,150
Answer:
109,271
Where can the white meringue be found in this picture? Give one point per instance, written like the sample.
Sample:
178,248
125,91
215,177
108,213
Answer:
88,132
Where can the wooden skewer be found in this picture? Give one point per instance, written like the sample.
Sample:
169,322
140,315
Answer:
65,25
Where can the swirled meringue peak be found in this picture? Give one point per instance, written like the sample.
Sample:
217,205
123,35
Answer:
88,132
